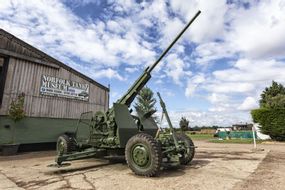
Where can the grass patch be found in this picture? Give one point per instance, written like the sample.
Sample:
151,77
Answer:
238,141
200,136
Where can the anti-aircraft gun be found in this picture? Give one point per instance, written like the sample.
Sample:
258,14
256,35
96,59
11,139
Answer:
118,133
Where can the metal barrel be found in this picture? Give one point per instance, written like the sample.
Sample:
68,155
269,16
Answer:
174,41
130,95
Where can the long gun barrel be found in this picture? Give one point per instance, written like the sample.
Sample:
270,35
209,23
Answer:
128,98
174,41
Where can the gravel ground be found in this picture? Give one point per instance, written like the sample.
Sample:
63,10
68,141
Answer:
215,166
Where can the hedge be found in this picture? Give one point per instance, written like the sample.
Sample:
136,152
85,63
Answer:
272,122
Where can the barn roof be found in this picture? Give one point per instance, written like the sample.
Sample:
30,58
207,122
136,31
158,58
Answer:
22,50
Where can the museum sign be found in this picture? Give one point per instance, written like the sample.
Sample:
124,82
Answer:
53,86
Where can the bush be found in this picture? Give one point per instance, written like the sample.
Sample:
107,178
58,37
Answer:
272,122
16,110
184,124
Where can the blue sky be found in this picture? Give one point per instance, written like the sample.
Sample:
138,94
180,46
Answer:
213,75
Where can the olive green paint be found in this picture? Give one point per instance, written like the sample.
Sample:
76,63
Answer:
114,128
35,130
126,124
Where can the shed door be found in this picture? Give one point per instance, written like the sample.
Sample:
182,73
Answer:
1,65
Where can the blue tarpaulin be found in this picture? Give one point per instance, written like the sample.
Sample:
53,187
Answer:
236,134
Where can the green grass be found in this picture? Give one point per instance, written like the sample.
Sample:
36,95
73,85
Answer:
200,136
211,138
238,141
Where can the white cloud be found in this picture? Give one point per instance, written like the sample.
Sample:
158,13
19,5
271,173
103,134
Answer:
210,24
130,33
67,34
131,69
256,38
217,109
211,51
109,73
193,83
249,70
230,87
53,28
246,78
170,29
114,26
199,78
221,103
201,118
77,3
217,98
258,30
175,68
248,104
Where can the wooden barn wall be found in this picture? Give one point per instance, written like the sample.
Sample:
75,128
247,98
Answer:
25,77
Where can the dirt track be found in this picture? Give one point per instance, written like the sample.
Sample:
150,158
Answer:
215,166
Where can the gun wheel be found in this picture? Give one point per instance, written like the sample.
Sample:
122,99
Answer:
65,144
190,149
143,155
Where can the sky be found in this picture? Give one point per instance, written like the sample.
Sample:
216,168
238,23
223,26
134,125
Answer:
213,75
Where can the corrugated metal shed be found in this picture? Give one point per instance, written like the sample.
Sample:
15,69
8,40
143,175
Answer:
26,68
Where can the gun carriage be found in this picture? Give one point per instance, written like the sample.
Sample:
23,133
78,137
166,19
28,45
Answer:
138,138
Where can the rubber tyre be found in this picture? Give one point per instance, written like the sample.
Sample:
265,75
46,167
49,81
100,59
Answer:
153,150
189,155
65,144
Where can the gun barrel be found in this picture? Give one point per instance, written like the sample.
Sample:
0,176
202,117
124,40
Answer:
130,95
174,41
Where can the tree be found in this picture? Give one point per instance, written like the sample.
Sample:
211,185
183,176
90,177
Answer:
184,124
145,101
273,96
276,102
271,114
17,112
272,122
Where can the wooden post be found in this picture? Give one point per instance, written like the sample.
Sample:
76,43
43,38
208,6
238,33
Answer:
253,135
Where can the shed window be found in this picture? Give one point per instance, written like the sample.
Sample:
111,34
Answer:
3,74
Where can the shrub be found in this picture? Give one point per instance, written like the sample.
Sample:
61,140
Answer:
272,122
184,124
16,110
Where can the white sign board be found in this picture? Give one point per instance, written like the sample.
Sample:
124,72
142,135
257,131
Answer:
53,86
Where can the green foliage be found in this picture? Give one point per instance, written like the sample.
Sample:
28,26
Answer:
273,96
271,115
145,101
16,110
276,102
197,128
272,122
184,124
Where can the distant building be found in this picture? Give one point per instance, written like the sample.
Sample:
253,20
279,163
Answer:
223,129
242,127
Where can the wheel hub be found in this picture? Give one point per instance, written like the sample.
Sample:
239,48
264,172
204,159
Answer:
60,147
140,155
